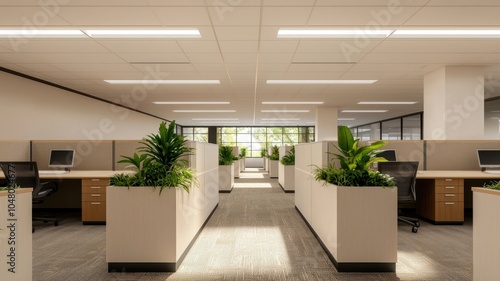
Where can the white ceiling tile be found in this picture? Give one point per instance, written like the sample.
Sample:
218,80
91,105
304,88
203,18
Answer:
238,46
29,17
61,46
236,15
203,58
319,67
138,46
360,17
187,16
200,3
333,57
18,58
122,67
241,67
166,67
461,3
75,57
109,16
437,46
430,58
288,3
192,46
381,3
347,46
273,67
275,58
456,16
204,67
285,15
278,46
250,58
237,32
233,4
154,57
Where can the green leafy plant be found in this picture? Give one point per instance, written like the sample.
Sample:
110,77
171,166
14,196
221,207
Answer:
243,152
263,152
3,188
275,153
493,185
160,163
226,156
289,158
355,163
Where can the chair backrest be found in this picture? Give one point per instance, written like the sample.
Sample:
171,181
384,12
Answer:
26,173
404,174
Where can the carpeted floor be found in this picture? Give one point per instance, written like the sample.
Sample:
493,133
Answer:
255,234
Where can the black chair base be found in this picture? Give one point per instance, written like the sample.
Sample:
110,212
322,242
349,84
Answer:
44,220
411,221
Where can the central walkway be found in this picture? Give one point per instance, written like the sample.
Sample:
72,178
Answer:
256,234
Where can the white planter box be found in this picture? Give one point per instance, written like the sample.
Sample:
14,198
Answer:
486,233
148,231
226,178
266,164
357,226
286,177
236,166
273,168
242,164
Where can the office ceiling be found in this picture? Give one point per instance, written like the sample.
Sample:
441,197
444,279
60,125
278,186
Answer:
239,47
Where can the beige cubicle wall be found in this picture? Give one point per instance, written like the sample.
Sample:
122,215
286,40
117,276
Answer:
456,154
124,148
89,155
408,150
15,150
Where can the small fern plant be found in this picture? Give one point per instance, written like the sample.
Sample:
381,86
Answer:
289,158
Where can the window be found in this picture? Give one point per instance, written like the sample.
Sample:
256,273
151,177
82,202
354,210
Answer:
412,127
196,133
254,139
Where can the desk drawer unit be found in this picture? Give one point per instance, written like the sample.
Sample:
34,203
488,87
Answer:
94,200
442,201
449,200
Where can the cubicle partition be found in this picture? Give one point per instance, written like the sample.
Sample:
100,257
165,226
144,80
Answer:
124,148
15,150
89,155
459,155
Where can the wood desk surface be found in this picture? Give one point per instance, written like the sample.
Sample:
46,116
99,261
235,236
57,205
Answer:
456,174
79,174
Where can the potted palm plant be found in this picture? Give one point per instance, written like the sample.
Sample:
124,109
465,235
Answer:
147,208
353,209
265,158
286,175
226,168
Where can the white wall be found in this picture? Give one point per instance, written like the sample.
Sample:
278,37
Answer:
35,111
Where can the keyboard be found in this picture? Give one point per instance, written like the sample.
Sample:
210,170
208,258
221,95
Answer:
492,172
52,172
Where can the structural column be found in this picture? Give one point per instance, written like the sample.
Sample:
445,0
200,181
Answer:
326,123
454,103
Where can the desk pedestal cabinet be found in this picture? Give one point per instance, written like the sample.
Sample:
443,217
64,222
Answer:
441,200
94,200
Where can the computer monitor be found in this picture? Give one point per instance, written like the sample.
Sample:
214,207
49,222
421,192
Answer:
62,158
488,158
389,154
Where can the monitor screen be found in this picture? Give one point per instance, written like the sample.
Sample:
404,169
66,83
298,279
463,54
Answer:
61,158
389,154
489,158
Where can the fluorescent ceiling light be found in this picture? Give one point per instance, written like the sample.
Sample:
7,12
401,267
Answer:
333,33
387,102
203,110
446,33
144,33
280,119
284,111
364,111
292,102
321,81
215,119
191,102
221,122
345,119
41,33
275,122
162,81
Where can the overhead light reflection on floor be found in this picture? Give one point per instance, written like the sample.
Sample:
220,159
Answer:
252,185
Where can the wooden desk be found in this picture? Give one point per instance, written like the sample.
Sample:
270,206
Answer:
441,194
93,185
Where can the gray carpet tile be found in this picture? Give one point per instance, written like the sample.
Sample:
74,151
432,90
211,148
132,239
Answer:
255,234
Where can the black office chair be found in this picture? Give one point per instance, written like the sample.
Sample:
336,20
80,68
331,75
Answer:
404,174
26,175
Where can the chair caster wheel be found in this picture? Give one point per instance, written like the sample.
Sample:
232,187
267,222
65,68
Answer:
414,229
417,224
